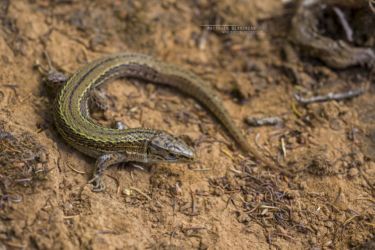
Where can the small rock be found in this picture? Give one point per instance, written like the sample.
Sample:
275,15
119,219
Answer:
249,198
335,124
108,115
353,172
43,157
39,167
19,164
303,185
313,241
127,191
68,206
329,224
243,218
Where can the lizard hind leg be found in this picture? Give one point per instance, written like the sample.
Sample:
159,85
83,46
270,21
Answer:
99,100
102,163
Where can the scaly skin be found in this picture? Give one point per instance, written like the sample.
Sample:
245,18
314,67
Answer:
111,146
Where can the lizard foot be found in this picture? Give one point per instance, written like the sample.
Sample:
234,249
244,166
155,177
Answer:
98,184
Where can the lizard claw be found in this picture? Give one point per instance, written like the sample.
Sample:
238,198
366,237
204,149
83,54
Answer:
98,184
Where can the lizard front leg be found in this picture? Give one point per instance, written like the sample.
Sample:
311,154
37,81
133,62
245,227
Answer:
102,163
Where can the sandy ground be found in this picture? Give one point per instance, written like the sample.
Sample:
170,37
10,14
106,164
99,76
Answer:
225,200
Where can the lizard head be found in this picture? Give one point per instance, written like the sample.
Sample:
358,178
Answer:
164,147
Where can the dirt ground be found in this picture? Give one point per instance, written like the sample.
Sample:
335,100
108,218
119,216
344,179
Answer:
319,194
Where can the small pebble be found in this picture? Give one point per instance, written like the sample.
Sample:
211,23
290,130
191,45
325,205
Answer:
150,88
127,191
108,115
313,241
249,198
178,189
329,224
39,167
19,164
68,206
43,157
353,172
